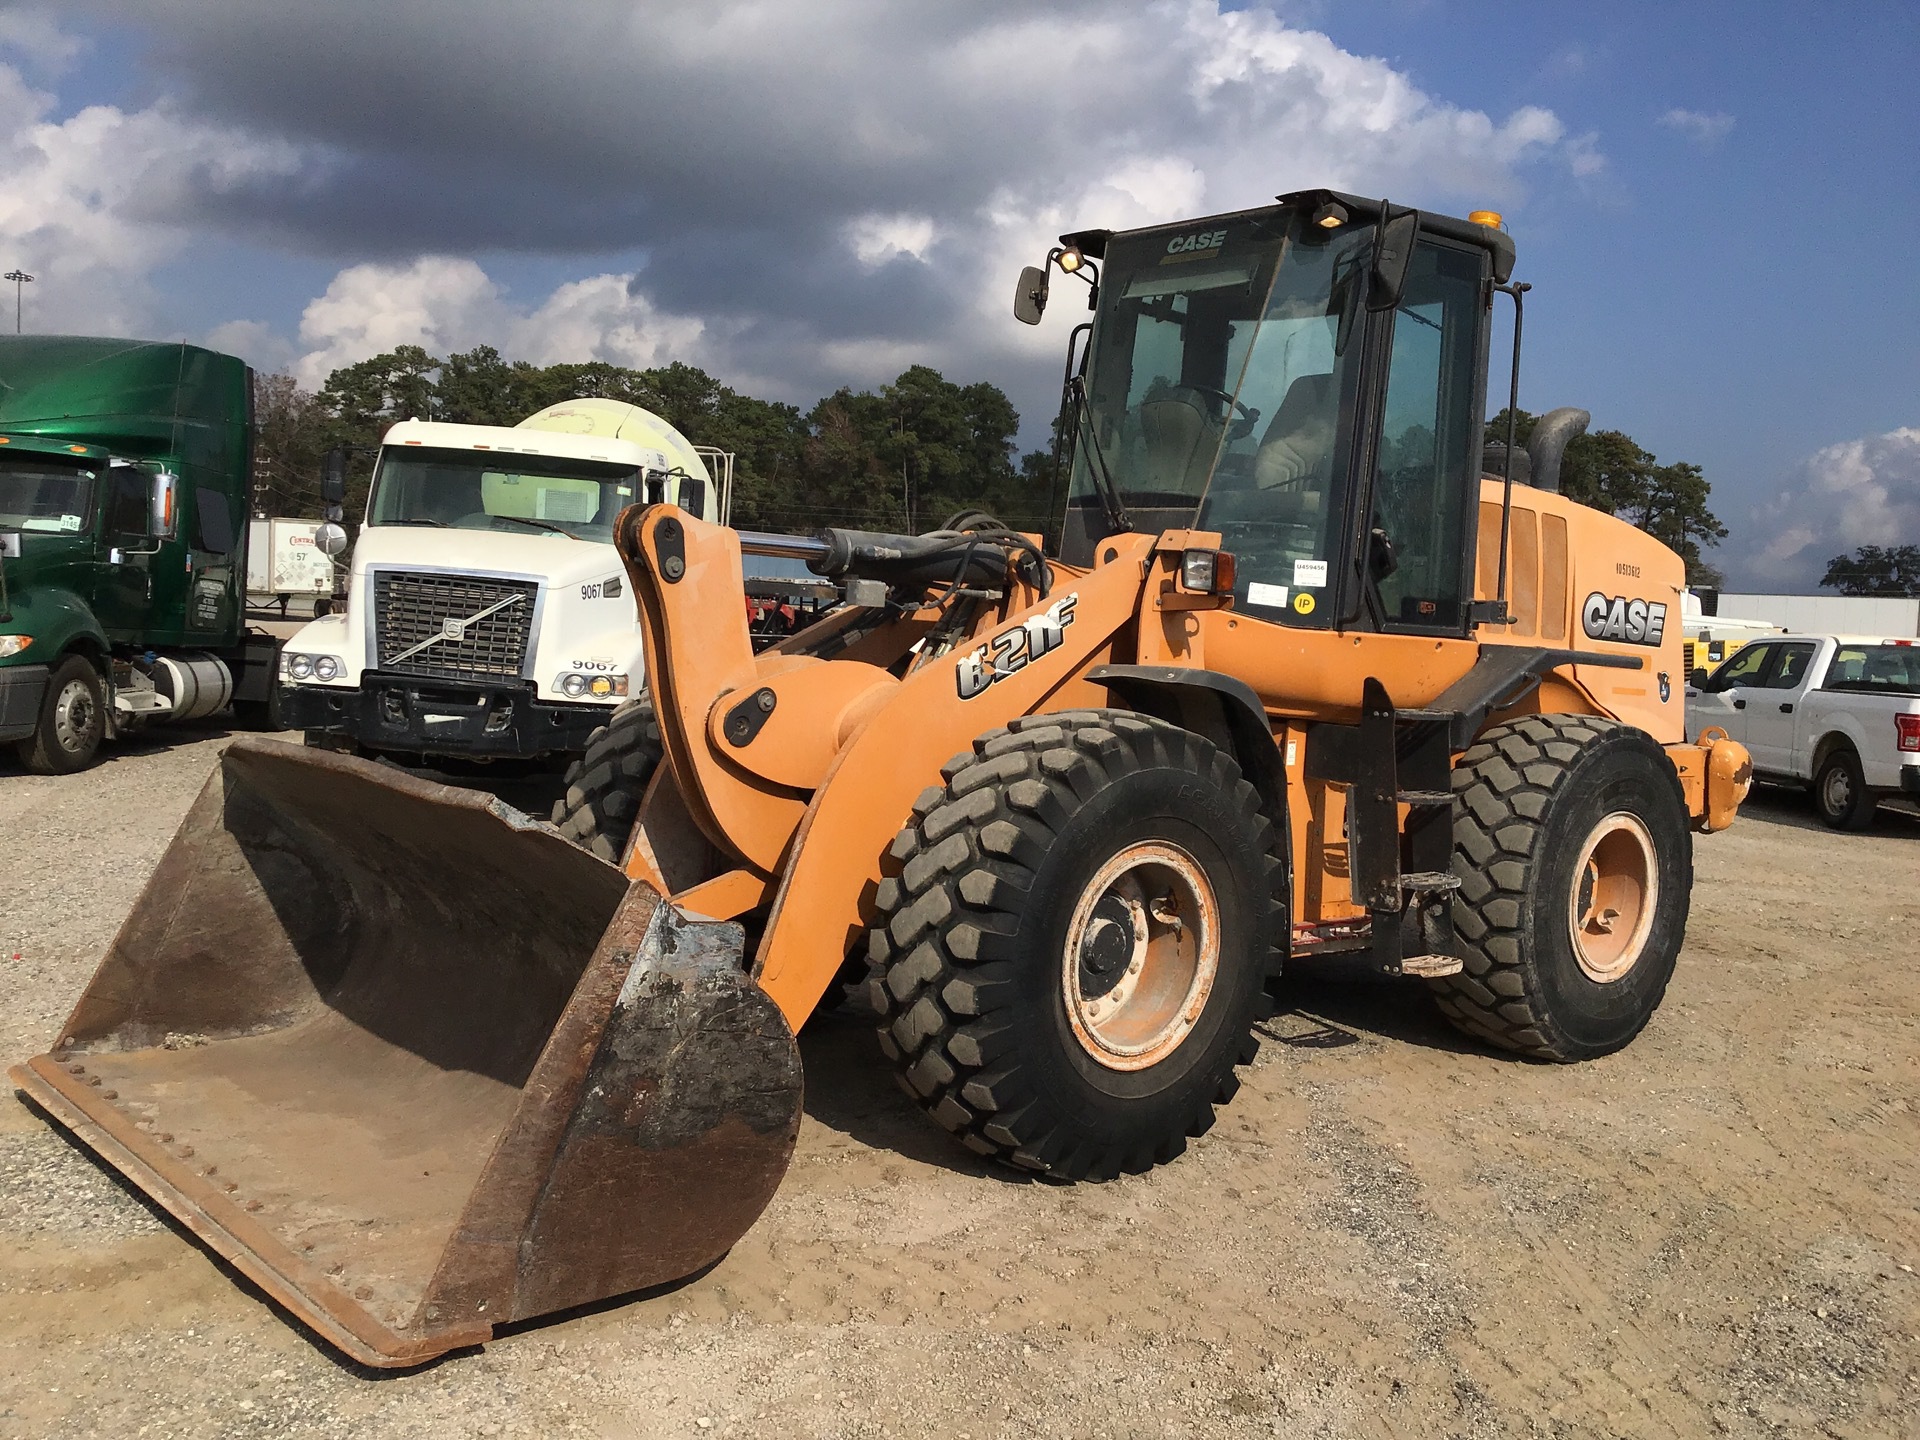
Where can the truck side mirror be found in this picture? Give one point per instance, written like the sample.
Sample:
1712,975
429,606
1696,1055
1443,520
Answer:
1030,296
333,477
1392,256
330,538
163,492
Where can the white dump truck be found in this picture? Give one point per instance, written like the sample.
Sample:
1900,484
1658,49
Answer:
486,614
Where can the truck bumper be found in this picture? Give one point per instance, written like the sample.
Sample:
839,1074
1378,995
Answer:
416,715
1910,780
22,688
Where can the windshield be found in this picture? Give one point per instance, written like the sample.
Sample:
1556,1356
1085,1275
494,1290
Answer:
531,494
1217,381
38,493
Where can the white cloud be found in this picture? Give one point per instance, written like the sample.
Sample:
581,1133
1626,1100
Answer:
1703,129
447,303
92,204
1859,492
876,239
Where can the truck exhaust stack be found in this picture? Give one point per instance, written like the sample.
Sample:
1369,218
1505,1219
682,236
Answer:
418,1066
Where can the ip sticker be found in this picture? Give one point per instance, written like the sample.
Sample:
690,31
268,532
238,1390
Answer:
1261,593
1309,575
1303,603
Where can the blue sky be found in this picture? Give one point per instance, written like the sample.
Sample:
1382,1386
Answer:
1717,205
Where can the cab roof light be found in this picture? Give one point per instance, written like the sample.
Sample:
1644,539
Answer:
1330,215
1492,219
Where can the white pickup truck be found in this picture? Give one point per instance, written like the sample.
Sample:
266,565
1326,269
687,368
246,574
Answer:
1838,713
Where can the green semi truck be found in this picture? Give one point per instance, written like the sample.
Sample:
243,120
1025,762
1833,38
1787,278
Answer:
124,475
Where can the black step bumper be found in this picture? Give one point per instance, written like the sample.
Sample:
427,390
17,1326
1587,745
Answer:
415,715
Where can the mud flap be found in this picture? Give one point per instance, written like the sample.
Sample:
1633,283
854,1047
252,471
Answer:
418,1066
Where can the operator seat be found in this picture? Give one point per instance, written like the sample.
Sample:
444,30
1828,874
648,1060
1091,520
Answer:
1299,440
1181,436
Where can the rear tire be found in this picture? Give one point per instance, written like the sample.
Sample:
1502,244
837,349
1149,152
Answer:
606,784
1840,793
1575,858
73,720
1073,947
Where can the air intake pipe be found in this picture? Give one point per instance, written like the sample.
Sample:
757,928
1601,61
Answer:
1546,446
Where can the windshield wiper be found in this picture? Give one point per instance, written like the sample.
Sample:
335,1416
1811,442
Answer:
538,524
1110,501
418,520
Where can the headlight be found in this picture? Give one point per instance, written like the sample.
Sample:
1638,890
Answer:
577,686
326,668
14,644
300,667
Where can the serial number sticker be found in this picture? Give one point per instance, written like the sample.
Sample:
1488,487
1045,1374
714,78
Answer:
1261,593
69,522
1309,574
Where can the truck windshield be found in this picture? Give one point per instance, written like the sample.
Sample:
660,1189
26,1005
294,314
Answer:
1216,384
38,493
531,494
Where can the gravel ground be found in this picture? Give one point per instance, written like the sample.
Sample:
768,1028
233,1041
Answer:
1390,1231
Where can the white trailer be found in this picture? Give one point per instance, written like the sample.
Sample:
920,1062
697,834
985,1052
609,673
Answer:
285,560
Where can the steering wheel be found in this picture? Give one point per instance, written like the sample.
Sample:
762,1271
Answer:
1227,402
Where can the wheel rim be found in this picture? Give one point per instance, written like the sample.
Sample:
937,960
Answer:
1837,790
73,716
1615,893
1141,955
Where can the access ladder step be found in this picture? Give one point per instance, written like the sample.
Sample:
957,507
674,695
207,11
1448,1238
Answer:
1426,797
1431,967
1427,882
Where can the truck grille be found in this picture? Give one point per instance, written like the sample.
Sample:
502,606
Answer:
411,609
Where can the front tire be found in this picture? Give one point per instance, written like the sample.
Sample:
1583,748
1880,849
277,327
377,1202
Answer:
1840,793
1575,859
606,784
1073,950
73,720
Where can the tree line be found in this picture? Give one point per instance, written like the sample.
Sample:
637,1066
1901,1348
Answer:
1608,470
904,457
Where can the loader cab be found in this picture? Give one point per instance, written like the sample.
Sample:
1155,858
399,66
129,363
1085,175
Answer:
1266,376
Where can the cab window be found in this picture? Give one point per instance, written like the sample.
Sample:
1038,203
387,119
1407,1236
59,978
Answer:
1745,668
1791,670
1423,489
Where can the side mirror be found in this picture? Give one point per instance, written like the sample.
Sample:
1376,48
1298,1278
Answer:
116,556
330,538
1392,256
1698,680
333,477
163,490
1030,296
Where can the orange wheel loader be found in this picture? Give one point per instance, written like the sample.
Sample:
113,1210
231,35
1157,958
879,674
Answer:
1297,679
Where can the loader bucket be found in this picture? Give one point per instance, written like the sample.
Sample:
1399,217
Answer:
416,1065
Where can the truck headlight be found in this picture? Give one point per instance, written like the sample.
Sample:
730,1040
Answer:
300,667
326,668
14,644
576,686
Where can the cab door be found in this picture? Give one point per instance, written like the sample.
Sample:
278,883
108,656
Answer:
1726,697
123,592
1772,707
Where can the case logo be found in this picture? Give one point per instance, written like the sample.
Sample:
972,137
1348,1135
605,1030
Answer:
1615,617
1011,651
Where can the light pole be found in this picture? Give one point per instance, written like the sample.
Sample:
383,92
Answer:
20,280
